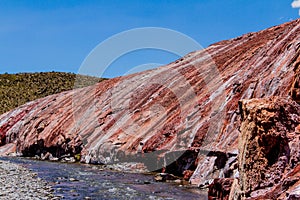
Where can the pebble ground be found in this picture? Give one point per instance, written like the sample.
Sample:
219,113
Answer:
17,182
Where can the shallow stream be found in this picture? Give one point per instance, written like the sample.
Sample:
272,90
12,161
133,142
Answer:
79,181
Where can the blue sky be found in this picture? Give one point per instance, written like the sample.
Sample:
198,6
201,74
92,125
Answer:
54,35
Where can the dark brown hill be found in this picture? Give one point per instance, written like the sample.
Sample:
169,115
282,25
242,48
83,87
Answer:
18,89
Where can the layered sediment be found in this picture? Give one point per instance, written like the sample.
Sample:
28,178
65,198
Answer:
183,118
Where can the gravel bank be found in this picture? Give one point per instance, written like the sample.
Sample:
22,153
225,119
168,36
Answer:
17,182
80,181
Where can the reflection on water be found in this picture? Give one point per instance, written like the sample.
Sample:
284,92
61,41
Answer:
78,181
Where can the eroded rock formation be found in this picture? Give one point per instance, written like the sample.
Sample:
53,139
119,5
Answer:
181,117
269,148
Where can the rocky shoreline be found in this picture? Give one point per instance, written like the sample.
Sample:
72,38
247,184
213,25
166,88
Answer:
62,180
17,182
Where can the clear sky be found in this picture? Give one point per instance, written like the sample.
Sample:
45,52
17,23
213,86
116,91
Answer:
55,35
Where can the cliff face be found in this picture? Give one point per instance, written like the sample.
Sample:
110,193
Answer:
269,149
186,111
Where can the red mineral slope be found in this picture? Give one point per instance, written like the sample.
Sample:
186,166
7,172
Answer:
186,111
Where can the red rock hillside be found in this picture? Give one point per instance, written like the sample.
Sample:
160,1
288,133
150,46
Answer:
183,117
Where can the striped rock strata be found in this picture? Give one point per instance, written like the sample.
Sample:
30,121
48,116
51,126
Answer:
186,111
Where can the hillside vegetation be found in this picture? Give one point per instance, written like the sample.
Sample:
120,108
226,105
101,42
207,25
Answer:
17,89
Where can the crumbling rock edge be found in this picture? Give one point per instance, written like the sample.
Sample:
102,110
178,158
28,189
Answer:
269,152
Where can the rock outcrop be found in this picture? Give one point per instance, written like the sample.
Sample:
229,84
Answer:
181,117
269,148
